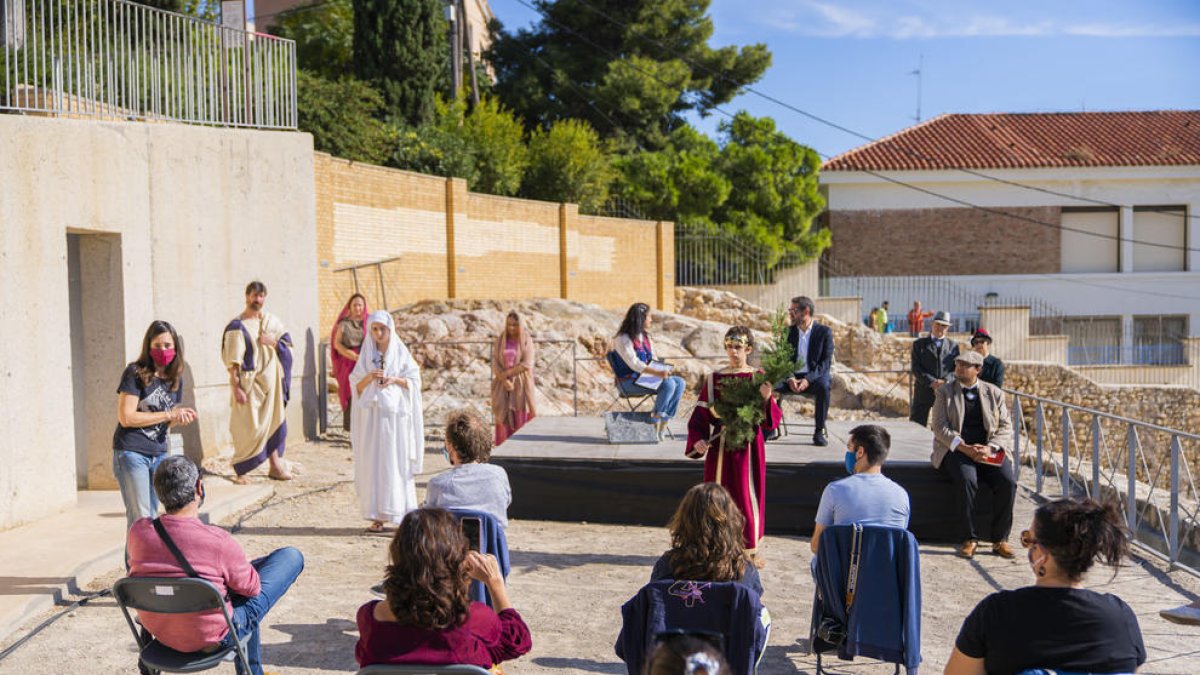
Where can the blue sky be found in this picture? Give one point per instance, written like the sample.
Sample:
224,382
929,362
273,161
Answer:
850,62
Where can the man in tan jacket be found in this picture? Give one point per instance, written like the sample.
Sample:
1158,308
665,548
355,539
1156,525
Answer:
971,431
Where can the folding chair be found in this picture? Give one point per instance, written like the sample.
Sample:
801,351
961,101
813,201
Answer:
622,395
422,670
176,596
807,422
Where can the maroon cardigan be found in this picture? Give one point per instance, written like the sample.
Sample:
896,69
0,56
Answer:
484,639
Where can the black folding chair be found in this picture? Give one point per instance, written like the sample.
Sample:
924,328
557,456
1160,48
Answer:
459,668
166,595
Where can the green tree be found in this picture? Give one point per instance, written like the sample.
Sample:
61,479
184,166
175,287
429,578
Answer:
774,195
400,49
680,182
324,36
486,147
342,115
631,68
567,164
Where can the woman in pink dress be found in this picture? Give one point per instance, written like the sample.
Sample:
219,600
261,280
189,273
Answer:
513,392
345,343
741,470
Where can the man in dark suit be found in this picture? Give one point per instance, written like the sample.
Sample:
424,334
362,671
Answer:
932,365
812,345
972,429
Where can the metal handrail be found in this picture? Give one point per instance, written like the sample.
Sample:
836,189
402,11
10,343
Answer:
1135,482
117,59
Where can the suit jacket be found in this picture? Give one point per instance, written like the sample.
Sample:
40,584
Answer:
948,409
930,363
820,350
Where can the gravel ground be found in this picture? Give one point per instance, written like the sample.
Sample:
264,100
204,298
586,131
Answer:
568,580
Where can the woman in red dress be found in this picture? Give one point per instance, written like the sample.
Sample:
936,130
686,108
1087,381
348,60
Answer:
741,470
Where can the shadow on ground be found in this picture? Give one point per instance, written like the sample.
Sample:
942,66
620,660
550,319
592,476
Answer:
320,646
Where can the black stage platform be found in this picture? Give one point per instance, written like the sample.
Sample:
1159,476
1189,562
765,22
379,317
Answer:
564,469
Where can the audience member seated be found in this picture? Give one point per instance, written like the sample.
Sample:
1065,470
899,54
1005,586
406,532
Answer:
1056,623
866,496
706,541
426,617
471,483
684,654
212,554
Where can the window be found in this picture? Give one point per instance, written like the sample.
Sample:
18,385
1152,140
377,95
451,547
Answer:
1158,339
1164,229
1095,340
1089,240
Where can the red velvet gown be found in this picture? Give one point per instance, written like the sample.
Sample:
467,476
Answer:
742,470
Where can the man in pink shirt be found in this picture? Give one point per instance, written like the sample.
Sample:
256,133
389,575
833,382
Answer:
252,588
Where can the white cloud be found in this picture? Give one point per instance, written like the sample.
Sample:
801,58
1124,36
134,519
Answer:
923,19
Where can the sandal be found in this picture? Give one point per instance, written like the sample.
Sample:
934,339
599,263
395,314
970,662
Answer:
375,527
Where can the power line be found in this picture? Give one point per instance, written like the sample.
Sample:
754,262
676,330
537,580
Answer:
876,174
829,123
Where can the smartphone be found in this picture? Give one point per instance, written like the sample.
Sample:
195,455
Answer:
473,529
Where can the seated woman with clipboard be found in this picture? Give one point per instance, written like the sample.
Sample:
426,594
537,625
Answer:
638,372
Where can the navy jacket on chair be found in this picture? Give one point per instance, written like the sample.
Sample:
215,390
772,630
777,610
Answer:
884,621
492,540
728,608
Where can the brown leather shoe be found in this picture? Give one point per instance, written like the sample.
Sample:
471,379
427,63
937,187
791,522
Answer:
967,550
1002,549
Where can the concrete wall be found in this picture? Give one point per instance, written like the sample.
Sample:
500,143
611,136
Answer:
789,283
172,222
440,241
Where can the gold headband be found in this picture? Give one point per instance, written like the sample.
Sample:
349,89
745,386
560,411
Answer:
733,340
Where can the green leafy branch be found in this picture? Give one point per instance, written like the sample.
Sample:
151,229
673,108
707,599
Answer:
739,404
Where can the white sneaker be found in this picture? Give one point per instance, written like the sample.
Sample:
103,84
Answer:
1185,614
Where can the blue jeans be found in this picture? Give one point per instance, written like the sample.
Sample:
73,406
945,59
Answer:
135,476
276,573
666,400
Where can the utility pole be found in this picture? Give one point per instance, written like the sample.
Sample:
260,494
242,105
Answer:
455,19
918,73
471,64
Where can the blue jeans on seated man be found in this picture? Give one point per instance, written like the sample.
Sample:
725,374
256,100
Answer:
276,572
666,399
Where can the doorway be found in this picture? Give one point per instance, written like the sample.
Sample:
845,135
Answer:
97,325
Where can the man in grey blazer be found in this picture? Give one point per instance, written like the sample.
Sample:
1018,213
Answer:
971,432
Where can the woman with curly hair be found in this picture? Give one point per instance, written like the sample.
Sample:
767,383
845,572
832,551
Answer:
427,617
1056,623
706,540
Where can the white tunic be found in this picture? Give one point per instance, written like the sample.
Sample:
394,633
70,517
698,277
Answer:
387,430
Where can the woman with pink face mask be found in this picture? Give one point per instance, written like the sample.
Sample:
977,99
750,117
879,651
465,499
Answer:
147,406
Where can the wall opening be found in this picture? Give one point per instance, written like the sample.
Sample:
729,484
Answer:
97,324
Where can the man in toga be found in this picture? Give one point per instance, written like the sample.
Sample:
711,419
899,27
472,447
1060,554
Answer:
257,351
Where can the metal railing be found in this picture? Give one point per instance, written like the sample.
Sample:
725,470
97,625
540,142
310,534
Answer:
1145,468
115,59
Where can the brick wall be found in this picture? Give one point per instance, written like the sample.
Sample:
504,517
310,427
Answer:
903,242
489,248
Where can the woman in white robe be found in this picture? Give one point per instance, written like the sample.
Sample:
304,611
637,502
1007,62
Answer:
387,430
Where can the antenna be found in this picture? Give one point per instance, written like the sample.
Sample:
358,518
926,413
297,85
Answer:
918,73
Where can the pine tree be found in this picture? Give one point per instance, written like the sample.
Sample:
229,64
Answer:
400,47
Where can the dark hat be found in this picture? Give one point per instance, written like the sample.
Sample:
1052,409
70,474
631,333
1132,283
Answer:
942,318
981,334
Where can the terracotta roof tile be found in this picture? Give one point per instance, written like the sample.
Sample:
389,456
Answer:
1033,140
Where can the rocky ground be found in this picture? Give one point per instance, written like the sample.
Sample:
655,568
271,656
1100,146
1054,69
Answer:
568,581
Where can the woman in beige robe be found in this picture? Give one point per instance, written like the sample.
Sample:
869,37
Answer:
513,392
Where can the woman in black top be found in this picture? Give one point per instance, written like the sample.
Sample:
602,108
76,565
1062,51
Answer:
706,540
1056,623
147,405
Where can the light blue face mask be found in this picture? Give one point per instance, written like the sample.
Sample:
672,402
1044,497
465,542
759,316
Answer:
851,460
446,454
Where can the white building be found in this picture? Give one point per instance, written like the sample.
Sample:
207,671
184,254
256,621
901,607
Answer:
1091,218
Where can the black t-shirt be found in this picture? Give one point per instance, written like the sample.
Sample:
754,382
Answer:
1066,628
155,397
